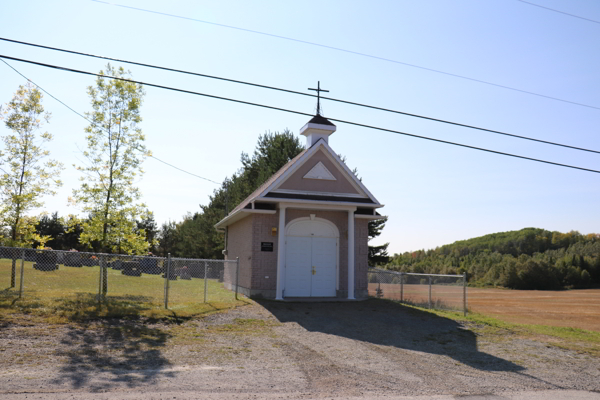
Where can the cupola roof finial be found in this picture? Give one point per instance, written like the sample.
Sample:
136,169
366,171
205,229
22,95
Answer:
319,90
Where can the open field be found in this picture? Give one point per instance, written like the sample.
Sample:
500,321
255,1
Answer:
71,293
567,308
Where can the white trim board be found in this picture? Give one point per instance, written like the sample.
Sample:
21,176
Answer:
306,192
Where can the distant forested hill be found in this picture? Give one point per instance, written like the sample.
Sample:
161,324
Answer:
531,258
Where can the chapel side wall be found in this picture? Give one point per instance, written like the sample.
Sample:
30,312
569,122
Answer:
239,245
264,263
361,257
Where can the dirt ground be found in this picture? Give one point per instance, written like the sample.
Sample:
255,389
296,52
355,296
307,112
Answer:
570,308
288,350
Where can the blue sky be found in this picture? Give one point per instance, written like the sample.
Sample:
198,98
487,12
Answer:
434,193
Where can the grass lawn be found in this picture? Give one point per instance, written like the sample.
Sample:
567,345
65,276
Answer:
70,294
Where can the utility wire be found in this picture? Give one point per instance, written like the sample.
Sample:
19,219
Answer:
299,113
561,12
348,51
84,117
183,170
43,90
299,93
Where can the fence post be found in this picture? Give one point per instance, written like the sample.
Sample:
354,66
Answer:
237,276
100,282
167,276
104,267
205,280
401,287
22,273
13,272
465,294
429,292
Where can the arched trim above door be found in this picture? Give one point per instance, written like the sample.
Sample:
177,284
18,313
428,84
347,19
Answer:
317,227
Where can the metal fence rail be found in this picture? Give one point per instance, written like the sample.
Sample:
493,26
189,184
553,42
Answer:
165,281
434,291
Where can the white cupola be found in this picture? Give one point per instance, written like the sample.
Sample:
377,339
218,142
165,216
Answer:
317,128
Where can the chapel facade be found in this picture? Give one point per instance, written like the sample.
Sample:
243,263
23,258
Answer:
304,232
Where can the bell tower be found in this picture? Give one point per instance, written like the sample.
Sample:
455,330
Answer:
318,127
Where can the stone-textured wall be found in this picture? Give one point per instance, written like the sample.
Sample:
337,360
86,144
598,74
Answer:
361,256
239,244
264,263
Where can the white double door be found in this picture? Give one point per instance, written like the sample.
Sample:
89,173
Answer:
311,266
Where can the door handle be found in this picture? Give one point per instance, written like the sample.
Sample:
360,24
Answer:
314,270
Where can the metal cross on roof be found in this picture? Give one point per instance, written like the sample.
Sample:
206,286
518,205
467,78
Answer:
319,90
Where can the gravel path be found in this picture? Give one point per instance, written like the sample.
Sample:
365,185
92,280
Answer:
285,350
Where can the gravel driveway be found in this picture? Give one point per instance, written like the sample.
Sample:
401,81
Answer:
288,350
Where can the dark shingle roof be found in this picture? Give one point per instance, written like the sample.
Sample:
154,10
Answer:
319,119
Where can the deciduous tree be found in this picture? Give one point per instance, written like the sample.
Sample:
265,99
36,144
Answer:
114,154
27,172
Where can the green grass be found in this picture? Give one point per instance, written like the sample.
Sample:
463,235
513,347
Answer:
493,329
71,294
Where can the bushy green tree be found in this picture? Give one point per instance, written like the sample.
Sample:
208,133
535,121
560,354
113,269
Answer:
148,226
167,237
114,154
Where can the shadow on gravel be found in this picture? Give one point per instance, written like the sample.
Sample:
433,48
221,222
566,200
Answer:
386,323
104,353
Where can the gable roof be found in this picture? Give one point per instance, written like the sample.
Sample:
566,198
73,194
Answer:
267,183
264,190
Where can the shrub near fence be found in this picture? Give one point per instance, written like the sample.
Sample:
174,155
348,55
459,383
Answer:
443,292
153,281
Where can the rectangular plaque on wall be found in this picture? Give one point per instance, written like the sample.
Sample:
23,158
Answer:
266,246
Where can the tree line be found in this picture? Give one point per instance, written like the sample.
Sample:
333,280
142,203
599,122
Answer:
115,220
530,258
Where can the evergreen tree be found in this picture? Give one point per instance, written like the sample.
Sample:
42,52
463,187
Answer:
378,255
196,234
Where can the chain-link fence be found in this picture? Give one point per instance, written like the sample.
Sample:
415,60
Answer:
168,282
443,292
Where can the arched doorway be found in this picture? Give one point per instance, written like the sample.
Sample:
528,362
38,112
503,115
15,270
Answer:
311,267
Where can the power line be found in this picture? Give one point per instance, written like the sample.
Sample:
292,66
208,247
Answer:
183,170
302,94
348,51
300,113
84,117
43,90
561,12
